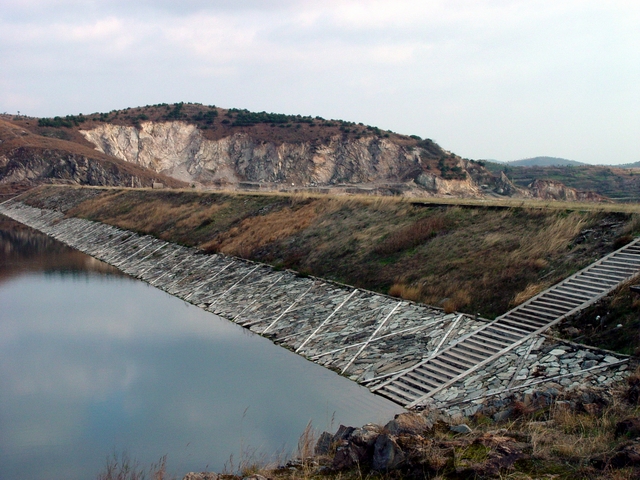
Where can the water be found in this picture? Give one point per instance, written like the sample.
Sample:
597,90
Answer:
93,362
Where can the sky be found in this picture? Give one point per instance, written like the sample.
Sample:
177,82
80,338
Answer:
486,79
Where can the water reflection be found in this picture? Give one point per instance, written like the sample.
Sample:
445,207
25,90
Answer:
23,250
92,363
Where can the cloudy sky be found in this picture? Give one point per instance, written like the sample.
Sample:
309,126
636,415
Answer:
498,79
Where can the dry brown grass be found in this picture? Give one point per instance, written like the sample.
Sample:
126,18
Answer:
155,216
529,292
123,467
254,232
412,235
555,235
306,444
405,291
573,435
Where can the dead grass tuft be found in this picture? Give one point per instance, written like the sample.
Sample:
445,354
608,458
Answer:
529,292
412,235
406,292
449,305
123,467
306,444
554,236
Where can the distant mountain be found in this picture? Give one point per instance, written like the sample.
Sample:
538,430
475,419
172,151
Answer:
628,165
544,162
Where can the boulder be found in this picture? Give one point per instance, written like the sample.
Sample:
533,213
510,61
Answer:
349,455
627,455
387,455
324,443
409,423
343,433
365,436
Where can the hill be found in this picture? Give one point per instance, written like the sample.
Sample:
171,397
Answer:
544,162
621,184
235,148
629,165
28,159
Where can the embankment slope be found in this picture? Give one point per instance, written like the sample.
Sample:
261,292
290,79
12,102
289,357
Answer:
471,259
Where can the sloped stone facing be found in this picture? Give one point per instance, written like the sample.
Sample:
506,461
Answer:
362,334
541,364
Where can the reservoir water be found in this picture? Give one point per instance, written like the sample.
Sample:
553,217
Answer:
93,362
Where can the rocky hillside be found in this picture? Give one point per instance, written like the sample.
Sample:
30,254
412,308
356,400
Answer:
620,182
28,158
210,146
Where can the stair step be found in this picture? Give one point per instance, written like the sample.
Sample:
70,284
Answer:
620,265
573,292
560,300
506,336
552,310
609,270
437,361
428,373
554,307
630,257
492,338
614,275
532,309
596,282
437,369
470,344
522,327
528,319
456,360
586,286
595,276
401,383
464,356
421,383
396,395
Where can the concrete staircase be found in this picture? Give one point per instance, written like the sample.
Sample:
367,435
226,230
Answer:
414,385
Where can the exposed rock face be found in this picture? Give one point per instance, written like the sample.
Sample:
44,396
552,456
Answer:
33,166
552,190
439,186
179,149
28,159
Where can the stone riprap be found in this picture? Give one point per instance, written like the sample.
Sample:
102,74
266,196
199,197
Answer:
535,366
369,337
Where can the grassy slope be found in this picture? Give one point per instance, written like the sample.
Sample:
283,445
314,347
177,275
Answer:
476,260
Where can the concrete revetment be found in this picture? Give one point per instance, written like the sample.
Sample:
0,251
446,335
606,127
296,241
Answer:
413,354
